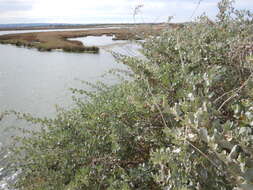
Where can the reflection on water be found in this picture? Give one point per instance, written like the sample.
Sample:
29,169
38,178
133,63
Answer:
107,43
98,40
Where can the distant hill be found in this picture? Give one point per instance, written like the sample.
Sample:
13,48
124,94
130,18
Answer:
47,26
25,25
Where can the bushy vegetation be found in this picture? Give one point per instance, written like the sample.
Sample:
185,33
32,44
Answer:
184,122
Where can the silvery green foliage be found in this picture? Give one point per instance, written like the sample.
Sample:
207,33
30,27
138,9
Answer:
184,122
206,70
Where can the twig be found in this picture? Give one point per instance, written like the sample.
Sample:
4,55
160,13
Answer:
137,10
225,94
233,96
230,98
180,54
203,154
157,106
195,10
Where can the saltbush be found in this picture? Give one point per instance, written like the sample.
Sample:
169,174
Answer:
184,121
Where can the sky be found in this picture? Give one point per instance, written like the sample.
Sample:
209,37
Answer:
107,11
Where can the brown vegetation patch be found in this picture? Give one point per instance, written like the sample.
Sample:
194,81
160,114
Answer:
47,41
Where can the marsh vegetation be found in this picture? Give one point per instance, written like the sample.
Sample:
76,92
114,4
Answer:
48,41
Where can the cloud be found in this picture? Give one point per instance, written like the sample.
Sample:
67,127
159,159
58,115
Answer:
14,5
87,11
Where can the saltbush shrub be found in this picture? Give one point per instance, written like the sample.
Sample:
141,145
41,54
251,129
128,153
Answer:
184,121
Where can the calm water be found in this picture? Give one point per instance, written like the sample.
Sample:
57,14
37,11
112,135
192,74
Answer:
34,82
99,40
107,43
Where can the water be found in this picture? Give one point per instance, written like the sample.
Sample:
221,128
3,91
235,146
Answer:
107,43
34,82
100,41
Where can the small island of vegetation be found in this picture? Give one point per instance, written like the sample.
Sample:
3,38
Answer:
48,41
